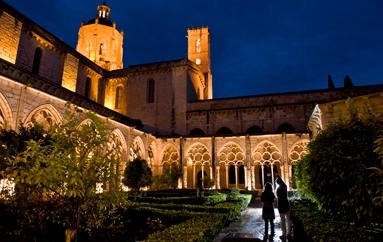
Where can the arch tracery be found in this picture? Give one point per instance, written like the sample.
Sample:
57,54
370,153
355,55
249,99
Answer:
266,161
45,115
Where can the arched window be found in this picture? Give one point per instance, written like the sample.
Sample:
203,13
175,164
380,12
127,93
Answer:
101,91
286,127
198,46
88,86
196,132
150,91
224,130
254,130
118,100
36,61
102,50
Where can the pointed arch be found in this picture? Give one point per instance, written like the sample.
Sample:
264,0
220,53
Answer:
117,137
297,151
231,161
46,115
152,155
116,142
267,158
231,153
6,118
198,165
136,149
198,153
170,154
266,151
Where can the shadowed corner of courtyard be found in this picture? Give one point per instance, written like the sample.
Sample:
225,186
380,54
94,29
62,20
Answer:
249,226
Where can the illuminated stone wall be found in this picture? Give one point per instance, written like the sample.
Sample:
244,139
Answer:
199,53
230,160
269,112
70,72
10,30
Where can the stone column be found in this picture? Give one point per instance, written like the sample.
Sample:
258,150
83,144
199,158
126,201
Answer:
193,176
185,185
218,181
227,176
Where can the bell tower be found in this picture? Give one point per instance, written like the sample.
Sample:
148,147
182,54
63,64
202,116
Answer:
100,41
199,53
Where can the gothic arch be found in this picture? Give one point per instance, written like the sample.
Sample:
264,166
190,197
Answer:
116,142
117,137
231,162
46,115
6,118
169,154
198,153
231,153
198,165
266,159
297,151
136,149
153,157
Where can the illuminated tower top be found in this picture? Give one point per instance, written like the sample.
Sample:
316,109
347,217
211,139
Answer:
100,41
199,52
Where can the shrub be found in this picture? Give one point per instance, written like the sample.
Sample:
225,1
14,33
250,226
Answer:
335,172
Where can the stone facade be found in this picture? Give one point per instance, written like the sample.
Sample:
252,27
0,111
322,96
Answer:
163,112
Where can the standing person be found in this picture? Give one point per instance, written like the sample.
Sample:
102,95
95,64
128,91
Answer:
267,197
283,208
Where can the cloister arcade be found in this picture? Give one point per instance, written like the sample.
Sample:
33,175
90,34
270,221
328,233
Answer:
245,162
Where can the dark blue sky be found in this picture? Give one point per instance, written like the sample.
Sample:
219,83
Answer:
257,47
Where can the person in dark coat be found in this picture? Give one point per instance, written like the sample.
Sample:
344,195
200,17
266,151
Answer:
283,208
267,197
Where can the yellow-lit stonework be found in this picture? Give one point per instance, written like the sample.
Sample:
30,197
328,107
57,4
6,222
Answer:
164,112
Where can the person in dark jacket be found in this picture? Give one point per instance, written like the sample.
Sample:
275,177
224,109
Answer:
283,207
267,197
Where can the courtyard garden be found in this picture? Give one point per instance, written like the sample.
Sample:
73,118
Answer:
67,187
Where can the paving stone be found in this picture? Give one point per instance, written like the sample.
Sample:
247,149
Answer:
250,226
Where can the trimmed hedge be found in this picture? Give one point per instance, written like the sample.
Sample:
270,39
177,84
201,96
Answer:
313,225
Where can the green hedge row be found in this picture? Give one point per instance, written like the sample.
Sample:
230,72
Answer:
313,225
200,228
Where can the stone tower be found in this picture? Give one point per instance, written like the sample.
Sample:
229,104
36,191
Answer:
100,41
199,53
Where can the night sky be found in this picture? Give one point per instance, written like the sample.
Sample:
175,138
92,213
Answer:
257,47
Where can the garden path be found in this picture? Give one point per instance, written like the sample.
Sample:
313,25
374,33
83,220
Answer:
250,226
